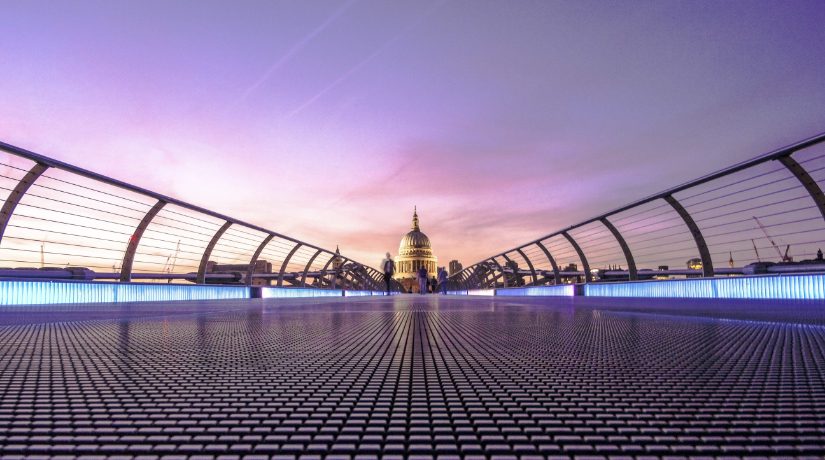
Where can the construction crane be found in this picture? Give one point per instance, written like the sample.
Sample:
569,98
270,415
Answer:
782,257
170,267
175,258
756,250
167,267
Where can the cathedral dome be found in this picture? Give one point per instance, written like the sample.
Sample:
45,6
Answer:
414,240
414,252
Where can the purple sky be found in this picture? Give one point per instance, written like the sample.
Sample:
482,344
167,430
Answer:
329,121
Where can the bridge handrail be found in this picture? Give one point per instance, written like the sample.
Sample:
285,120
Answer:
356,274
489,272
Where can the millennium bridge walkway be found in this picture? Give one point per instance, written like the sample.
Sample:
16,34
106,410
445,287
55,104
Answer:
417,377
689,324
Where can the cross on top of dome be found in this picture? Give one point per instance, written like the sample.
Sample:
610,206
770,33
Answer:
415,240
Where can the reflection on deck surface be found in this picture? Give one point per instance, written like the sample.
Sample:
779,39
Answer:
415,375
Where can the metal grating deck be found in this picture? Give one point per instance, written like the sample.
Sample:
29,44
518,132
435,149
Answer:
415,376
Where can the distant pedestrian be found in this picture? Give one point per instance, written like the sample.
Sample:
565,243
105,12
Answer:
433,285
388,266
422,280
442,280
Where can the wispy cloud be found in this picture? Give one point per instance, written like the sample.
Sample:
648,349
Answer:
295,49
389,43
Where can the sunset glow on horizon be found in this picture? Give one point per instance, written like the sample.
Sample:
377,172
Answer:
329,121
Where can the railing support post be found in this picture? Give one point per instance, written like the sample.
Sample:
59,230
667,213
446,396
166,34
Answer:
514,276
208,252
482,274
492,282
503,273
254,258
286,261
324,270
529,264
807,181
704,253
631,264
556,276
362,275
369,276
306,269
463,277
490,276
463,280
472,279
359,271
355,282
585,265
350,281
17,194
131,248
377,278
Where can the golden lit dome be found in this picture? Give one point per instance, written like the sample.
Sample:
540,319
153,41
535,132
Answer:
414,240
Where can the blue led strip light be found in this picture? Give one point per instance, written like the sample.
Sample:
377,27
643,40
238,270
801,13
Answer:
362,293
276,293
562,290
794,287
54,292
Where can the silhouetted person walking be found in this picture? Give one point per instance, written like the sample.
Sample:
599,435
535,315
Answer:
442,280
388,266
422,280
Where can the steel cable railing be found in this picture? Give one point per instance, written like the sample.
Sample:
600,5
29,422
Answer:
763,215
59,221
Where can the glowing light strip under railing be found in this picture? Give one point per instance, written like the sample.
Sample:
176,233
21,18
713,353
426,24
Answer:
363,293
58,292
481,292
561,290
795,287
280,293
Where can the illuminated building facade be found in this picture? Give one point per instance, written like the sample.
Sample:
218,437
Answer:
414,252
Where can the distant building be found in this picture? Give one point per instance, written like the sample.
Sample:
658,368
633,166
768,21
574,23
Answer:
240,271
455,267
694,264
337,267
567,278
515,279
413,252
